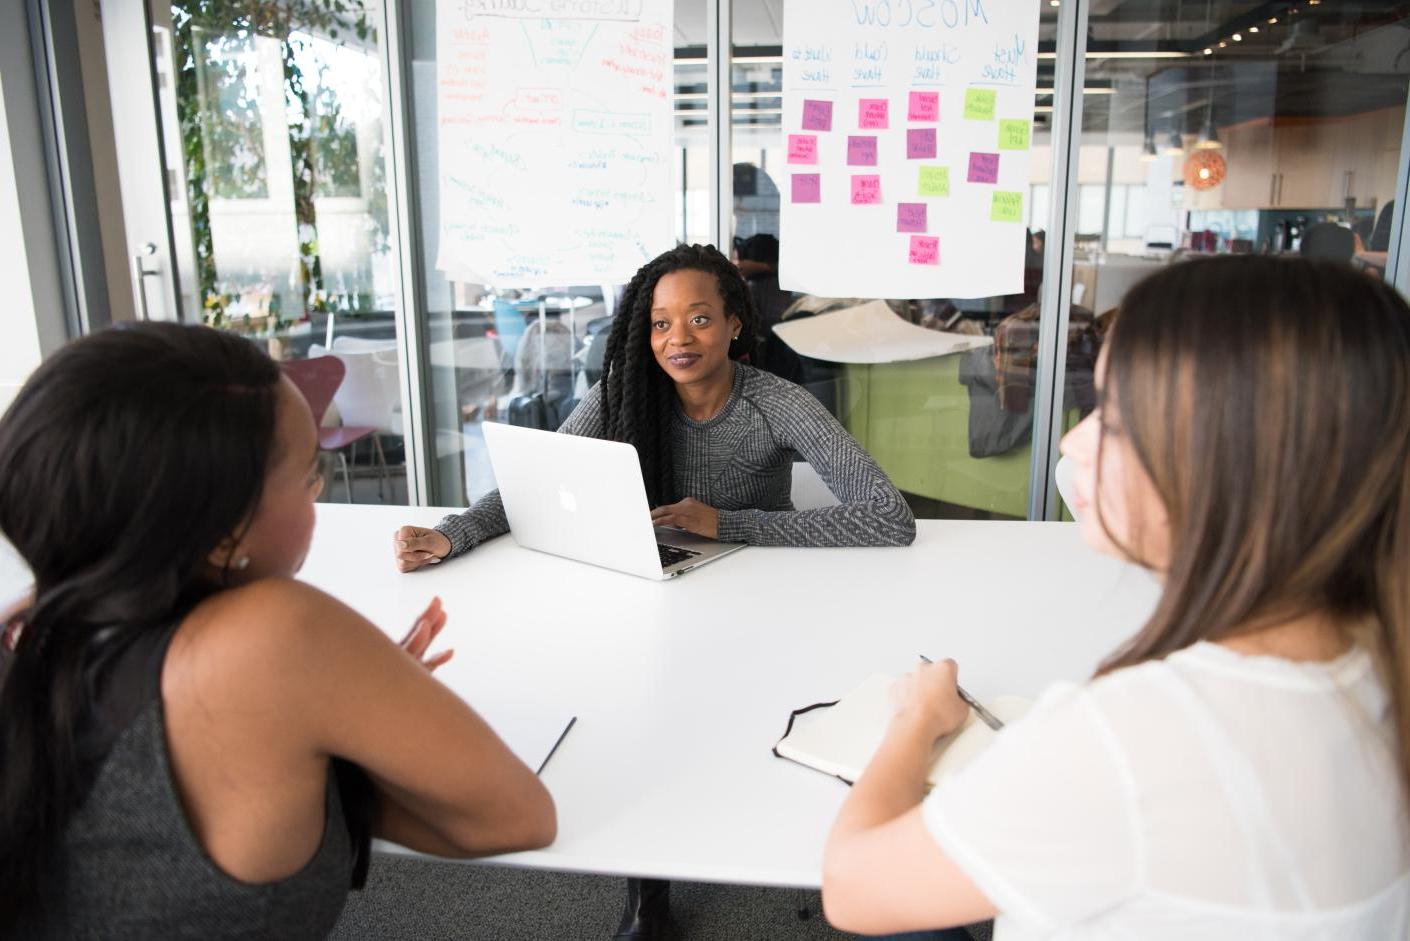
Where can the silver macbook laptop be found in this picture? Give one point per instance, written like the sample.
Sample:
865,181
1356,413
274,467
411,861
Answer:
583,499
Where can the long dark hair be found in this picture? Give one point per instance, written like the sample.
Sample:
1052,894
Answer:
1268,401
126,458
637,396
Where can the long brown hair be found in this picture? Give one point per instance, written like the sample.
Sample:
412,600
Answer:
1268,400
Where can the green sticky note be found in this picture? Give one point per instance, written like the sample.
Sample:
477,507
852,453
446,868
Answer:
979,104
934,181
1013,135
1006,207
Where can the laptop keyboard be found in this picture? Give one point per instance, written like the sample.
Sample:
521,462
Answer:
670,555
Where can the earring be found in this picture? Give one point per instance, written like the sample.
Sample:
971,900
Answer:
242,563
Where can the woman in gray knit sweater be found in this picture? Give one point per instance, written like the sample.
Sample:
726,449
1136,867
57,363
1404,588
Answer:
716,437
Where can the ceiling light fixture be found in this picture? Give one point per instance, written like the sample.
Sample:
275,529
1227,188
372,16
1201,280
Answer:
1237,37
1208,51
1253,29
1175,147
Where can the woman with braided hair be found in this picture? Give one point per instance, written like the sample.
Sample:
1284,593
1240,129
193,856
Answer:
716,438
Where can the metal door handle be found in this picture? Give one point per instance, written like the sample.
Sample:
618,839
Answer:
139,273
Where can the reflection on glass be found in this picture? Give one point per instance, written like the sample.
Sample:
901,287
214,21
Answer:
275,132
953,432
528,356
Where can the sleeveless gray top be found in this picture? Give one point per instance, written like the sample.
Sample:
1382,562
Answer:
131,866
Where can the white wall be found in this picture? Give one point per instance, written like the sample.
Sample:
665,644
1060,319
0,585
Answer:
20,348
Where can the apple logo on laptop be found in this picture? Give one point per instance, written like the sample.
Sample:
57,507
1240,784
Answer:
567,500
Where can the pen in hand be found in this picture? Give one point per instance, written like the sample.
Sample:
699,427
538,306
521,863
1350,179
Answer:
987,717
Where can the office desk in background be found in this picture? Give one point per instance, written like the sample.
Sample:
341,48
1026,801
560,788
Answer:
682,687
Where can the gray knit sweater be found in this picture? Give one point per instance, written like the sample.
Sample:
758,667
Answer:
740,463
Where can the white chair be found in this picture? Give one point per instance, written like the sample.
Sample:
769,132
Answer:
370,395
809,491
1062,476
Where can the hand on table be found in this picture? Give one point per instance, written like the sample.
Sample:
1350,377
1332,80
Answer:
427,626
414,547
928,700
690,515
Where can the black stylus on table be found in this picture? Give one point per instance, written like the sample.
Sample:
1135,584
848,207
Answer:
987,717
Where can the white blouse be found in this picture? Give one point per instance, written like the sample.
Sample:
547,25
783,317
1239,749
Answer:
1210,795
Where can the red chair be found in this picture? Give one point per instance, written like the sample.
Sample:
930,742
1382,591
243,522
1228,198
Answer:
318,379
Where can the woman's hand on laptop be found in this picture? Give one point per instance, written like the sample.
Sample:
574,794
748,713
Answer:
415,547
690,515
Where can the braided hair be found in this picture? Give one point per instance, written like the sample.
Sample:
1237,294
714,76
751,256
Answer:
637,395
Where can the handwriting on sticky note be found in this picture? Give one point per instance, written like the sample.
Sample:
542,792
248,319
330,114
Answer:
979,104
866,189
861,151
920,143
1013,135
817,115
873,113
802,148
983,168
807,188
910,217
925,249
1006,207
924,106
934,181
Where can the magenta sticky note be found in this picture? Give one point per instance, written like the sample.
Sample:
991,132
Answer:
983,168
910,217
861,151
925,250
873,113
817,115
866,189
802,148
807,188
920,143
924,106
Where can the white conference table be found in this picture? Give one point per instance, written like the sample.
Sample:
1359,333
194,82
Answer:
681,688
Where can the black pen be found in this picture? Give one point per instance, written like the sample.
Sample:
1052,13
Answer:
989,719
566,729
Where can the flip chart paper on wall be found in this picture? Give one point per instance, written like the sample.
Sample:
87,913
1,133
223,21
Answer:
963,72
555,140
872,333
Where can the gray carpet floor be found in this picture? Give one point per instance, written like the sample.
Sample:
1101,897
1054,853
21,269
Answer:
416,900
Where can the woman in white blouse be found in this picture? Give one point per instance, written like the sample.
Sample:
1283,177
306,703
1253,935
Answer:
1239,768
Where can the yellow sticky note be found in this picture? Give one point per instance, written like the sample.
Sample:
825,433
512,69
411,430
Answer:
979,104
1006,207
1013,135
934,181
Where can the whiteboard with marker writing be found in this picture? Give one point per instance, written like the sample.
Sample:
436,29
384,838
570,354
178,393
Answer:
908,126
554,121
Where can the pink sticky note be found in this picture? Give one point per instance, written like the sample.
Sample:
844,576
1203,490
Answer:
924,106
807,188
802,148
866,189
925,250
873,113
861,151
983,168
910,217
920,143
817,115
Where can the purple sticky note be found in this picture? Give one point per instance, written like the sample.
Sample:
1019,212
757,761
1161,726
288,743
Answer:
983,168
807,188
920,143
910,217
802,148
817,115
866,189
861,151
924,106
873,113
925,250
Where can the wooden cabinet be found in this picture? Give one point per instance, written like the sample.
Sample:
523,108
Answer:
1249,157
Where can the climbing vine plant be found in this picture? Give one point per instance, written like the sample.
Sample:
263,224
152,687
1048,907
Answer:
194,23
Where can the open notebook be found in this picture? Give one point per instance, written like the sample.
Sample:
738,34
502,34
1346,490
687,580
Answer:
840,738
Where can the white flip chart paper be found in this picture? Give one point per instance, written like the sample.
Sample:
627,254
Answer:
907,130
555,129
870,333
